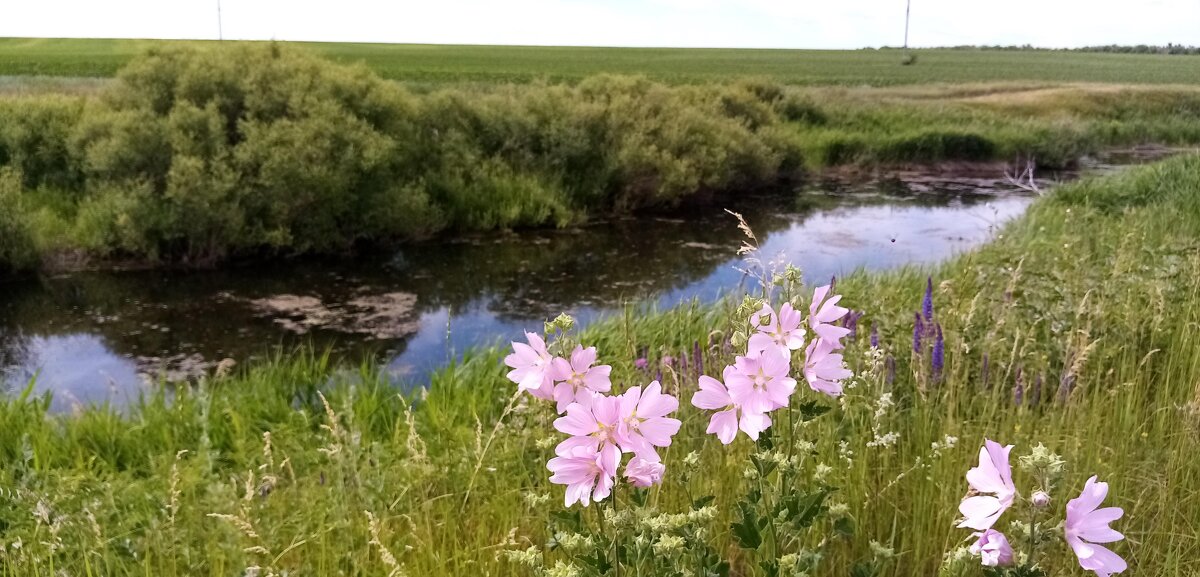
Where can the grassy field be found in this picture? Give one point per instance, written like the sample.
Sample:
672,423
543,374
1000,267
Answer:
1079,327
439,64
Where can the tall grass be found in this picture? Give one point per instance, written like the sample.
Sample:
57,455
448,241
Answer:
1094,293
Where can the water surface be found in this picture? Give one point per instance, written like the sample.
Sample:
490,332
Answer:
96,337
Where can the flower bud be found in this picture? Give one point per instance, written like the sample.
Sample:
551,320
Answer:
1040,499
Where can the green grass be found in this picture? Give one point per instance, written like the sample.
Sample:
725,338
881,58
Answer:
438,64
1098,284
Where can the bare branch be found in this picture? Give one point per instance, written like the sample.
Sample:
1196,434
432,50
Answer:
1025,179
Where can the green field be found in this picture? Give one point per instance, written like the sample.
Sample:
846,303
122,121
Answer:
437,63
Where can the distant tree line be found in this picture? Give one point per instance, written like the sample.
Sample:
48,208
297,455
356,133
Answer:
1110,48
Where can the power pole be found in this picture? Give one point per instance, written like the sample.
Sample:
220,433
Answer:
907,8
221,33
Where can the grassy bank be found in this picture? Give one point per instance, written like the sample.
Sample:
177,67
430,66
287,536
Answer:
197,156
489,64
1089,306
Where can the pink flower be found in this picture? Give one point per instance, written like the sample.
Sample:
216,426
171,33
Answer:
1086,525
531,367
822,313
782,331
582,469
579,378
644,423
824,369
591,423
713,396
759,382
993,475
642,473
993,548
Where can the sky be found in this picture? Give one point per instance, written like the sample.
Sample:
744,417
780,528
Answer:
683,23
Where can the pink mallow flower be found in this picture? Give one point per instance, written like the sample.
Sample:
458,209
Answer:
531,366
993,549
644,423
592,424
1086,525
577,379
759,382
587,473
642,473
725,423
993,475
823,313
824,369
782,332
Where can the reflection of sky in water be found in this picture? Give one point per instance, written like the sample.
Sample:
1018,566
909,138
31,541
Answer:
823,244
75,368
471,292
88,335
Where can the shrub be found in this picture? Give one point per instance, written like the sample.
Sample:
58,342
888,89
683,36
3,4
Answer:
17,249
34,139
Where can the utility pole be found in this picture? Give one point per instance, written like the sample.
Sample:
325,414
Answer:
907,8
221,33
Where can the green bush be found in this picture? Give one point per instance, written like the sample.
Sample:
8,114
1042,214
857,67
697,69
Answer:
17,249
34,135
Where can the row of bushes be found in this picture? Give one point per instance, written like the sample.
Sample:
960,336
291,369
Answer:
196,155
193,156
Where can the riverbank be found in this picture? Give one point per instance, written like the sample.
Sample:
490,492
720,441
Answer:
1077,327
196,157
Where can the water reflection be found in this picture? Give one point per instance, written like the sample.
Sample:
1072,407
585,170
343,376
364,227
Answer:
89,336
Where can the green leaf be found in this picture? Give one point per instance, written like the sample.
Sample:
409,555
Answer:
747,530
567,519
703,502
803,509
766,440
764,466
719,570
770,566
810,410
863,569
599,562
844,527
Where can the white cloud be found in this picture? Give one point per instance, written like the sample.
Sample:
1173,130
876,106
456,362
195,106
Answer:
718,23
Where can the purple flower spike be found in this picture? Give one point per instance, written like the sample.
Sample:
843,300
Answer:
698,356
927,304
874,336
1064,388
641,364
939,355
850,321
668,361
918,330
890,363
